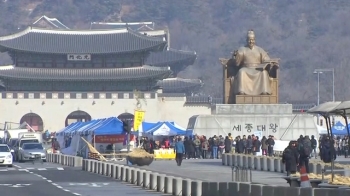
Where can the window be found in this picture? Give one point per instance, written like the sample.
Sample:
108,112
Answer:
32,146
60,65
4,149
110,65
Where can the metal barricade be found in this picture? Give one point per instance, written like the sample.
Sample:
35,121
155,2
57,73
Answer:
241,174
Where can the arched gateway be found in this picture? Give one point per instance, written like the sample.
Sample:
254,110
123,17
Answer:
126,117
77,116
33,120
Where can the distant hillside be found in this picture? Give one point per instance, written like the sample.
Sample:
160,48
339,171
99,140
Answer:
304,34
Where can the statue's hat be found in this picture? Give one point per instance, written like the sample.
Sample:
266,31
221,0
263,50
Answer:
251,34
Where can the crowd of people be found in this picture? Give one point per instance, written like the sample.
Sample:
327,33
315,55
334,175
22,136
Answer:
299,151
200,147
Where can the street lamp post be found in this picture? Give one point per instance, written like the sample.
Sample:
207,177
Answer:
318,72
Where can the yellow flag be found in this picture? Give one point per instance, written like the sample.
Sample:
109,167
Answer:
138,118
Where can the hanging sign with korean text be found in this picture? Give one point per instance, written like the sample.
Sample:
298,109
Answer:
78,57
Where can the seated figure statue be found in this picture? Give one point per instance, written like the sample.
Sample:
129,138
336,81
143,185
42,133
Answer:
252,69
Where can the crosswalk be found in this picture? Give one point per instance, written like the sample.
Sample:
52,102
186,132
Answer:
30,169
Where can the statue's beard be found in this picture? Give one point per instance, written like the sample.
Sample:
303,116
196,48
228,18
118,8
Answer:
251,45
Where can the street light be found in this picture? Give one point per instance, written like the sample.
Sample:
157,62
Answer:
318,72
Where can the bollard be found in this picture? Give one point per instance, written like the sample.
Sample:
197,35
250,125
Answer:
139,174
277,165
168,184
100,167
196,188
118,172
283,168
319,168
257,163
245,161
123,174
312,168
113,171
146,179
263,163
224,159
234,160
186,187
250,161
177,186
239,160
270,164
134,176
153,181
229,159
106,169
160,182
128,174
95,167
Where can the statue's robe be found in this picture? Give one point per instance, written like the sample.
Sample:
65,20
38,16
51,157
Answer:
249,80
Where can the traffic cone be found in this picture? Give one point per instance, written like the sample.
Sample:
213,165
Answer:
304,178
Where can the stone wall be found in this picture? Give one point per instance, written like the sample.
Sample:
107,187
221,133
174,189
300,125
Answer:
54,109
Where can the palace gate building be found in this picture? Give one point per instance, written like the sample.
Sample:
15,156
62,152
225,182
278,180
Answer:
59,75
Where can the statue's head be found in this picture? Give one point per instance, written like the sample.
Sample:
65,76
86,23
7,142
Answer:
251,39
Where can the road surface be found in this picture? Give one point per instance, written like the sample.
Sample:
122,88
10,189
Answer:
27,179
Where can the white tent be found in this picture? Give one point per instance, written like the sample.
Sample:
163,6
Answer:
321,130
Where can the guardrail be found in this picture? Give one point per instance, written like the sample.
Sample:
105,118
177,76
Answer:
272,164
72,161
187,187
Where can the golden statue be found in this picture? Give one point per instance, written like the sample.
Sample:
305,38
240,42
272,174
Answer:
250,69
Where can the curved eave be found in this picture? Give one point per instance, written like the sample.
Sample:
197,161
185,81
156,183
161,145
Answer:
179,83
107,74
80,42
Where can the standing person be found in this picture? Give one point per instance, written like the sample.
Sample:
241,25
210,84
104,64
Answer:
205,147
270,145
264,146
180,151
256,145
215,147
197,144
249,145
290,158
314,145
228,145
305,150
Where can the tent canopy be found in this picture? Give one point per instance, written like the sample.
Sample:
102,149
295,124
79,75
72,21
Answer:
112,127
339,129
165,129
106,126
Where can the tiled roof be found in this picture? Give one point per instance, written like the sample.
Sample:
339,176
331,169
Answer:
80,42
179,83
85,74
171,56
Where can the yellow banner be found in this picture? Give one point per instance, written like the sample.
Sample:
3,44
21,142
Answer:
138,118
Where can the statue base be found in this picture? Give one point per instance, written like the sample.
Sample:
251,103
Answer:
256,99
252,109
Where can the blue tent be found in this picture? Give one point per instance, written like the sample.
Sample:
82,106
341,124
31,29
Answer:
165,129
112,126
74,127
339,129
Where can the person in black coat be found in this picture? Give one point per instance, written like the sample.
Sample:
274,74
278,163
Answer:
239,145
290,158
228,145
